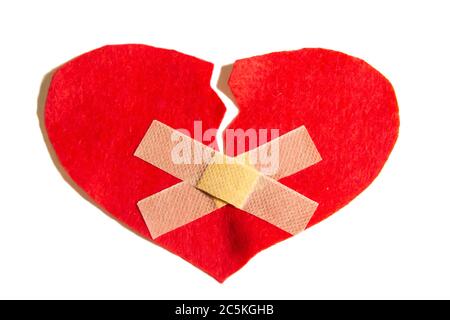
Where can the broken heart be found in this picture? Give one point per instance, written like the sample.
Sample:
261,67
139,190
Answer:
100,105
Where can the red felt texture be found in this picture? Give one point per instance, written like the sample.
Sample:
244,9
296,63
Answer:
348,107
100,104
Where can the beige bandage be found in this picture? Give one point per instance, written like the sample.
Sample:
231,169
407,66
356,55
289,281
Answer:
228,180
232,180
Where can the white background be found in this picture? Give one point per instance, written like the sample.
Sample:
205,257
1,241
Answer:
391,242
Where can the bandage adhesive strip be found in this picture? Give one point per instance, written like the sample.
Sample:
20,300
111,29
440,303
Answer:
218,180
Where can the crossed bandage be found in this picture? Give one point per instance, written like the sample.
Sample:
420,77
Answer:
210,185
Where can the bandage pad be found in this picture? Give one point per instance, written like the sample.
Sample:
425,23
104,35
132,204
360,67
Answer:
228,180
232,180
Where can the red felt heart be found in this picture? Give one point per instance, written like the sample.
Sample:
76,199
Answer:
100,104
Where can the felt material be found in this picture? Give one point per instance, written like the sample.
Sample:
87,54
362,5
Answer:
100,104
349,108
182,203
232,180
